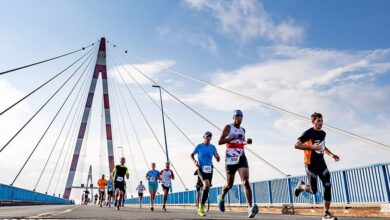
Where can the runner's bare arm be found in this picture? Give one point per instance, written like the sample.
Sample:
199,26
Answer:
334,156
217,157
225,132
194,160
301,146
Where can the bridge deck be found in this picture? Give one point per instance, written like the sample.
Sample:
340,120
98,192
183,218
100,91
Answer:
94,212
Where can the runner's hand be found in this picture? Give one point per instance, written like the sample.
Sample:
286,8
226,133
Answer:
336,158
316,147
197,164
249,141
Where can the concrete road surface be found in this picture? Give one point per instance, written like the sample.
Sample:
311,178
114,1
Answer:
94,212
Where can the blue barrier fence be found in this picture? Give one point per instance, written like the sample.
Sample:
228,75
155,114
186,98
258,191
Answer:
359,185
14,194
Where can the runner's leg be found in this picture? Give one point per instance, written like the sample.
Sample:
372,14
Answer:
244,174
229,184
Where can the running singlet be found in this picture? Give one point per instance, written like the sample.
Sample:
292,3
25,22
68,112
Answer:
152,176
109,185
166,175
310,137
141,188
102,183
205,156
235,148
120,172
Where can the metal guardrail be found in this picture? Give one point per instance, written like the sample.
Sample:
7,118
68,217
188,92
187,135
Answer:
11,194
359,185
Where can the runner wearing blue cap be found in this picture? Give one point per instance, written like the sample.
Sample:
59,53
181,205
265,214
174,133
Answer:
205,152
233,136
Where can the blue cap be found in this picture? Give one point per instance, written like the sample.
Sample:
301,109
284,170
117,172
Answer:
207,133
237,113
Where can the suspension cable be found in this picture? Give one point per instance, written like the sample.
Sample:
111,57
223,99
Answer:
65,122
204,118
169,118
120,119
72,125
129,116
42,85
147,122
54,118
31,118
44,61
271,106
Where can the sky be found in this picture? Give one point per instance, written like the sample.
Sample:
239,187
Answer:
304,56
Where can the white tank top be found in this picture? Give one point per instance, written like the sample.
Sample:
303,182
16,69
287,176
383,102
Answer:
166,177
237,143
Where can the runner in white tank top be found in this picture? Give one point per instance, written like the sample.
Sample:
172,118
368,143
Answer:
166,177
233,136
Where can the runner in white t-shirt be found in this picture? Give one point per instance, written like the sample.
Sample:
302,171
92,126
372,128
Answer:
141,188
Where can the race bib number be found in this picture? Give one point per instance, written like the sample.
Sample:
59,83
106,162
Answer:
152,178
119,179
232,160
207,169
166,184
102,190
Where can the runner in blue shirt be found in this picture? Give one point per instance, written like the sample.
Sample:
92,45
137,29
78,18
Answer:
152,176
205,152
110,192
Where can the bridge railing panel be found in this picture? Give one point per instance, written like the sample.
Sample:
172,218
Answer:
15,194
359,185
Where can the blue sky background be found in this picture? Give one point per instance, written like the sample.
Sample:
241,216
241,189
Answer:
328,56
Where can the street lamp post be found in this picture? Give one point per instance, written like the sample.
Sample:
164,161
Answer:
162,113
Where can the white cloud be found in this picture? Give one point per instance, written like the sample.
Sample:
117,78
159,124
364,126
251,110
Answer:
150,68
247,19
194,37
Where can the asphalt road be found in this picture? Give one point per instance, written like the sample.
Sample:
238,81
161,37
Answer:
95,212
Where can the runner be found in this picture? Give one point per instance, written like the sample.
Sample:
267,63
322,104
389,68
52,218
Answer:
312,142
110,192
233,136
166,175
152,176
96,198
141,188
102,183
205,152
119,173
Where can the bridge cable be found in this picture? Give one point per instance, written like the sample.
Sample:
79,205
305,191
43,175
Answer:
42,85
10,140
131,121
169,118
119,120
204,118
65,122
115,101
147,122
44,61
72,125
273,107
58,111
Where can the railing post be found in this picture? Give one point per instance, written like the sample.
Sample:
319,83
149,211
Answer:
239,194
386,182
254,193
270,191
347,199
290,196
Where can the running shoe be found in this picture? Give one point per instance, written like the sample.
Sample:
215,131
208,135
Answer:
327,215
221,204
253,211
298,189
201,211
